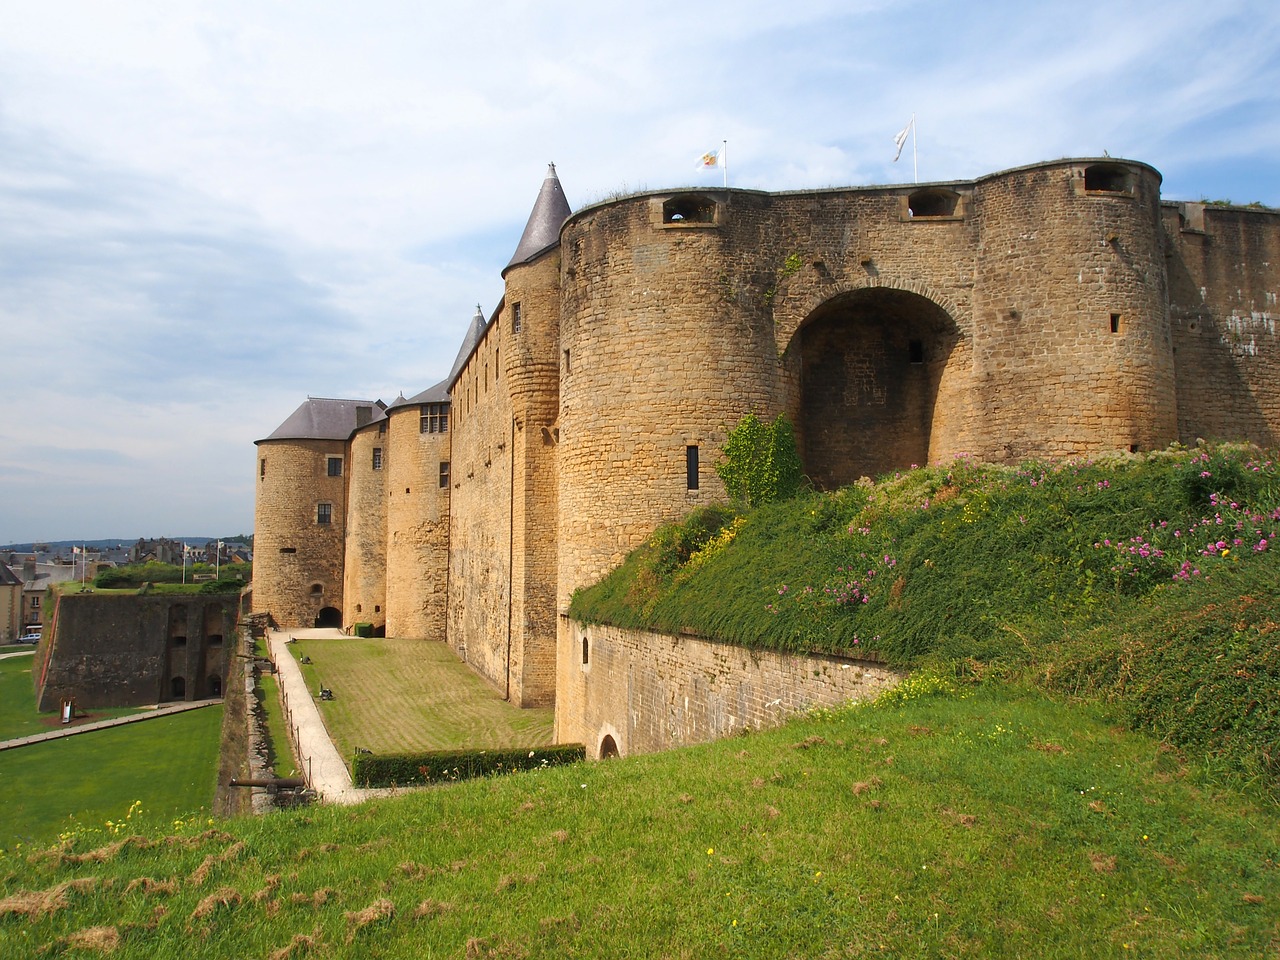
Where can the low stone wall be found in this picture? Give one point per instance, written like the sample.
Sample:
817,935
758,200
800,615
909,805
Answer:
630,691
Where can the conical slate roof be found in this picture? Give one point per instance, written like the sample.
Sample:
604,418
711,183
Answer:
542,231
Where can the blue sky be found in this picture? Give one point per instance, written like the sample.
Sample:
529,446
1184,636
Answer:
209,210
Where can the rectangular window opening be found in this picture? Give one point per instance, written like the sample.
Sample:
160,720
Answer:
1115,323
324,513
515,318
434,418
691,466
262,467
377,458
566,362
335,466
444,474
915,351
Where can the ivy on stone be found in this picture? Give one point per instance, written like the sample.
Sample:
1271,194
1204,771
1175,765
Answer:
760,463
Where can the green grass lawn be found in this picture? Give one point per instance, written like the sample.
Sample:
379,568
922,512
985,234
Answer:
992,822
82,781
397,696
18,714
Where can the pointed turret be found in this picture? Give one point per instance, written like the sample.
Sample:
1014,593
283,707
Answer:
542,232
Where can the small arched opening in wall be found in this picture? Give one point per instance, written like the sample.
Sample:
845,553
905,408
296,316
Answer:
871,365
1107,178
609,748
177,689
215,686
689,208
933,203
329,617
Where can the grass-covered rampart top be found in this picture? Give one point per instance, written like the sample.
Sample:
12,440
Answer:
172,578
1148,580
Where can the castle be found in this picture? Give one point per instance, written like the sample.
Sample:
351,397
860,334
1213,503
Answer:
1051,310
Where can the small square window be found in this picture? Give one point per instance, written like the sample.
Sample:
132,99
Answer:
335,466
324,513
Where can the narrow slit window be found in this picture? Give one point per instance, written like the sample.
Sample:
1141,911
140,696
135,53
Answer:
1115,323
566,362
691,466
262,467
516,319
915,351
584,650
444,474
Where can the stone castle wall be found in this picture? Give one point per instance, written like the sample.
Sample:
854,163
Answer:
1053,310
650,691
364,593
112,650
479,608
417,538
297,562
1224,276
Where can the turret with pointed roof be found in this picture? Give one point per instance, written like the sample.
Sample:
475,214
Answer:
542,232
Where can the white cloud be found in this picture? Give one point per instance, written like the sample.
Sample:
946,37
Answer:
209,210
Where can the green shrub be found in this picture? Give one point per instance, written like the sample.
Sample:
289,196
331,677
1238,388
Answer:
760,462
442,766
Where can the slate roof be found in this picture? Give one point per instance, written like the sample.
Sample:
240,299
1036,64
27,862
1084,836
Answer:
542,232
320,418
7,577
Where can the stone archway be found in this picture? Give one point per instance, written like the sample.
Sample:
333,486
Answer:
608,748
872,362
329,617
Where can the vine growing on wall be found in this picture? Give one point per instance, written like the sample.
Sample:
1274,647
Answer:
760,463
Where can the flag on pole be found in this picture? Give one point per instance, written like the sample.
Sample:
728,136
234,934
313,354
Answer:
901,139
709,160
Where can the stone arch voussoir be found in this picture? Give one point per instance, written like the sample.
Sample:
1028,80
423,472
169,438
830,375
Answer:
790,314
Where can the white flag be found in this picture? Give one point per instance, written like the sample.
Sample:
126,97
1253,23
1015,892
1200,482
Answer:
901,138
709,160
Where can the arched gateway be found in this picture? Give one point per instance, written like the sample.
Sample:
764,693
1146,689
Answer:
872,362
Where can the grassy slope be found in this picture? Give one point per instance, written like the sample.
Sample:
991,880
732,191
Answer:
995,823
399,696
991,820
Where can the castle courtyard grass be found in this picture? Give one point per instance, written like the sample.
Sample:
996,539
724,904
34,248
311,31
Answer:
402,696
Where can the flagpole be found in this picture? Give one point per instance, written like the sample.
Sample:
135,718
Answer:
915,140
724,153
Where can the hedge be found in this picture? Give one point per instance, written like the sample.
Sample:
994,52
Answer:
443,766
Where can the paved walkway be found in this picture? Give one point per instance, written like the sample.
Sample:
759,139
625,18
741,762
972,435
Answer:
17,653
70,731
326,774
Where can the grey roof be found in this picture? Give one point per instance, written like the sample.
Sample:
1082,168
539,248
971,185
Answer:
320,418
542,232
7,577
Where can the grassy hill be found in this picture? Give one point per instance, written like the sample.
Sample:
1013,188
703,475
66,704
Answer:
1082,765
